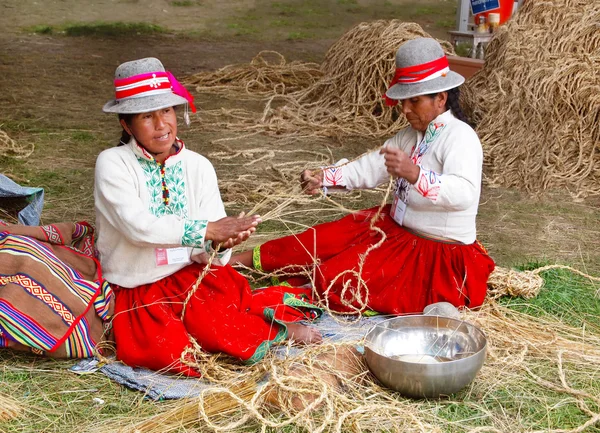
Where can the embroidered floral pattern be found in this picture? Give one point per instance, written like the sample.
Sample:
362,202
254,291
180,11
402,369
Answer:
332,176
194,232
429,182
166,188
433,131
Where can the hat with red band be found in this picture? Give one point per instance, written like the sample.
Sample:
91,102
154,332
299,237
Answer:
144,85
421,69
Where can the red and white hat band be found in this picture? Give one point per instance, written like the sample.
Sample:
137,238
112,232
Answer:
142,85
418,74
423,72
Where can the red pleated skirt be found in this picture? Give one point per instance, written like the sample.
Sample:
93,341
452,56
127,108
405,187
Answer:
403,275
224,315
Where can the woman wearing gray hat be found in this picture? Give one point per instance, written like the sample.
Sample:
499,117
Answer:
422,248
160,222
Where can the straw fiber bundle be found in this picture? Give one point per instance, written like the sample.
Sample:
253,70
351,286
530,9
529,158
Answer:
526,284
8,147
536,102
357,71
9,408
268,73
344,97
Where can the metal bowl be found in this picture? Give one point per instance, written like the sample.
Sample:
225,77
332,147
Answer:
425,356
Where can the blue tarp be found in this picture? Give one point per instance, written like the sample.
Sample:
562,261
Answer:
33,200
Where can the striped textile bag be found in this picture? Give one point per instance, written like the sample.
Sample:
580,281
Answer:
53,300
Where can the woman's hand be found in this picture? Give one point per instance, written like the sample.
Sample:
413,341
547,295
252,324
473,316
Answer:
311,181
398,164
230,231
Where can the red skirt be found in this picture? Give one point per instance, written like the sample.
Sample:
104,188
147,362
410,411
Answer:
403,275
224,315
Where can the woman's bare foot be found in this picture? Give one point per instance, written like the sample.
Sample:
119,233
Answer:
336,368
303,334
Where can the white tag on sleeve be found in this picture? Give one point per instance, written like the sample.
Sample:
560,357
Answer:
171,256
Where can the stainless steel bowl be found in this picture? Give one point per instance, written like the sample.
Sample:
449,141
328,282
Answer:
425,356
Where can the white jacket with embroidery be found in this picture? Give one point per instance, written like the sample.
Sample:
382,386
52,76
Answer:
444,200
132,220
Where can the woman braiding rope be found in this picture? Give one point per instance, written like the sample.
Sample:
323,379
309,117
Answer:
430,253
165,241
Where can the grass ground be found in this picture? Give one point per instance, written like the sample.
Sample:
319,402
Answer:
55,82
59,401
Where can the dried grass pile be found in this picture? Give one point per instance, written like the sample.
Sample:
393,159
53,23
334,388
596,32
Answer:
343,97
267,74
526,284
537,100
356,73
9,408
8,147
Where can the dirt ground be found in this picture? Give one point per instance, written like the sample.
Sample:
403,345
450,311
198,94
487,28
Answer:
53,88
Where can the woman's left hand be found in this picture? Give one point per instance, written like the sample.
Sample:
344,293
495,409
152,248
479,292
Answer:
398,164
231,231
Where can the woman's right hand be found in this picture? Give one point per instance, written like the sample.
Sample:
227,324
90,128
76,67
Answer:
230,231
311,181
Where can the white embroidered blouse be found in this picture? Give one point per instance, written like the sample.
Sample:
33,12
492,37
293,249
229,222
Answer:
444,200
144,209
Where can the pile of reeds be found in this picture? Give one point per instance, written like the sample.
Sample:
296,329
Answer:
8,147
344,97
9,408
267,74
536,102
357,71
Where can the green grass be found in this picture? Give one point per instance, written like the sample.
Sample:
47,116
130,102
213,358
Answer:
300,35
82,136
41,29
106,29
422,11
243,28
62,401
571,300
568,297
447,23
324,19
283,20
112,29
185,3
463,50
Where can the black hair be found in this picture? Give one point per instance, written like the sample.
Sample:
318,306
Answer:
453,104
125,137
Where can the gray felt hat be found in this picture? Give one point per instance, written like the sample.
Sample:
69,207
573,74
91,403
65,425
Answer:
422,51
155,96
